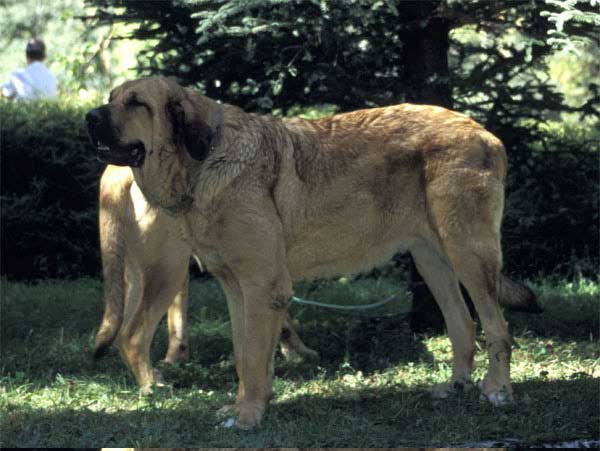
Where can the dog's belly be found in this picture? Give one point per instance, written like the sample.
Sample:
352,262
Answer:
348,229
318,266
329,252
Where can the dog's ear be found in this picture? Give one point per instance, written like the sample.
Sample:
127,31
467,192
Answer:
189,128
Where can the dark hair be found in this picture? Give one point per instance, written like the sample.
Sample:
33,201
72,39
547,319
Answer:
36,49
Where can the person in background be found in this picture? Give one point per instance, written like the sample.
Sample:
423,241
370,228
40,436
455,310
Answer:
33,82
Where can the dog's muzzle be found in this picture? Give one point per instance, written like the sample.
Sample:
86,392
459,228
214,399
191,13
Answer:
104,140
132,155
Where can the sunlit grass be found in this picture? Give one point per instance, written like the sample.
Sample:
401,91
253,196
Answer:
581,287
369,388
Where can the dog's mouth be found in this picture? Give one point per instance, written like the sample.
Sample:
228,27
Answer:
132,154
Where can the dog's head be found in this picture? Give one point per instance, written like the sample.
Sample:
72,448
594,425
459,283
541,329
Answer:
145,118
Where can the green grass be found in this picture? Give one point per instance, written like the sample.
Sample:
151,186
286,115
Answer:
370,387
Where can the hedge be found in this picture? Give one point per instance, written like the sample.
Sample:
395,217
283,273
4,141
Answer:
552,212
49,189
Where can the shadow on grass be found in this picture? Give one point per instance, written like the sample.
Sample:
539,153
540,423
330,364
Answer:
362,417
344,343
563,319
48,329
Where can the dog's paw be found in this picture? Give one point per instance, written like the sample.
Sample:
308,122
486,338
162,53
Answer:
444,390
250,415
176,354
497,397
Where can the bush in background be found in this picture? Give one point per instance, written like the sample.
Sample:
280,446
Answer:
49,191
551,216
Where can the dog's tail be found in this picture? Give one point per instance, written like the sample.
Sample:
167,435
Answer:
516,296
114,190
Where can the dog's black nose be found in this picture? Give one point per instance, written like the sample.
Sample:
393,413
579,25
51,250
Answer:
93,117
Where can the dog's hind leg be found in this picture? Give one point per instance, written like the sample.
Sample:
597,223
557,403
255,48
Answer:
441,280
235,305
479,269
160,286
469,229
292,345
178,350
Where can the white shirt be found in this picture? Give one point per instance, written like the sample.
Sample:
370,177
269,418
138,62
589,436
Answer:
33,82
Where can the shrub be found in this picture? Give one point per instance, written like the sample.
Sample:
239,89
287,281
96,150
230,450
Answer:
49,191
551,216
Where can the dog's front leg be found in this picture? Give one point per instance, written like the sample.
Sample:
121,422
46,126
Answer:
265,309
252,248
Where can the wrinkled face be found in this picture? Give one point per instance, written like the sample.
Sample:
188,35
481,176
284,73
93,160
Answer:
159,127
123,129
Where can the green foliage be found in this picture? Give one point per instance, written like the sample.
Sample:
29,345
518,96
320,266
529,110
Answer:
265,54
369,388
552,213
48,191
576,23
576,75
85,58
501,77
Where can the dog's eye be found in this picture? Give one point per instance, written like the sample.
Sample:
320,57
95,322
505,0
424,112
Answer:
134,102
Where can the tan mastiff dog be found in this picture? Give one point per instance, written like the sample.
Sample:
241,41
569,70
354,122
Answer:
145,267
267,201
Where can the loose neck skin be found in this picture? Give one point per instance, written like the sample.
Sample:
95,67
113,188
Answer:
172,180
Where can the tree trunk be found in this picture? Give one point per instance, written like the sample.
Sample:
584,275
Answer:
426,60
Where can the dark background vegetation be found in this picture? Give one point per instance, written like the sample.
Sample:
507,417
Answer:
487,59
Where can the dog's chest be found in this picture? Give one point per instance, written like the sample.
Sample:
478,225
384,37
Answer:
144,215
198,230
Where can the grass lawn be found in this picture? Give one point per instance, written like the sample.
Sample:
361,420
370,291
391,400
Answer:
370,388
